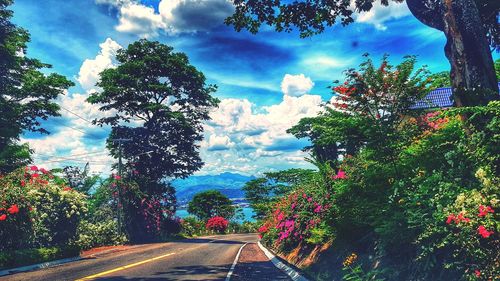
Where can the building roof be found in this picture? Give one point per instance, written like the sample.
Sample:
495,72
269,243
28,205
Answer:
439,98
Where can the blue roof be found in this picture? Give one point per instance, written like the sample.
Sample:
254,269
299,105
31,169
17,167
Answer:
438,98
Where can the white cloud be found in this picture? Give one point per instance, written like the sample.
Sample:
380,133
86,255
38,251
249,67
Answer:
296,85
141,20
175,16
217,143
245,140
90,69
194,15
380,14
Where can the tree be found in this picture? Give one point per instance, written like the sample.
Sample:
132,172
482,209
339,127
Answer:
262,193
470,26
165,99
157,100
26,94
211,203
79,179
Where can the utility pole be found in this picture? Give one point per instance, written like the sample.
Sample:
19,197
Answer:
118,201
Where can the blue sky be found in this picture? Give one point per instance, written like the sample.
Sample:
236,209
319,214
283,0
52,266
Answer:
267,82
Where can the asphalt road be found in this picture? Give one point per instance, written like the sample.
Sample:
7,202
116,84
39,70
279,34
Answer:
206,258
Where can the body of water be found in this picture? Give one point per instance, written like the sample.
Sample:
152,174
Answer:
247,213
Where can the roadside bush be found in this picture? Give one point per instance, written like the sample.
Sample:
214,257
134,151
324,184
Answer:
15,258
191,226
99,234
37,210
217,224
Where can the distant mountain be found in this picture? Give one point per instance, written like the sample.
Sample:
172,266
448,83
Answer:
230,184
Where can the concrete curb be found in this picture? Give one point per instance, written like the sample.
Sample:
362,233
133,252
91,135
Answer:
58,262
294,274
38,266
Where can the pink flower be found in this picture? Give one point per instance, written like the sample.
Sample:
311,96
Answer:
35,175
3,217
317,209
481,230
309,199
43,171
340,175
477,272
117,177
23,183
34,168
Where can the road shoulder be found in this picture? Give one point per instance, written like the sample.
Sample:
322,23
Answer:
253,264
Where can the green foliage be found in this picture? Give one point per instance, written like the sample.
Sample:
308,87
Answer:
46,212
26,94
211,203
440,80
356,273
418,196
15,258
99,233
168,96
262,193
168,100
313,16
191,227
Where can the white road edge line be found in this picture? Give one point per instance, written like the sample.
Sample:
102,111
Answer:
231,270
294,275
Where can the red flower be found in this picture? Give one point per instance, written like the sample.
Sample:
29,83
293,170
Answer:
3,217
218,224
461,218
35,175
117,177
23,183
451,217
477,272
67,188
34,168
481,230
13,209
483,211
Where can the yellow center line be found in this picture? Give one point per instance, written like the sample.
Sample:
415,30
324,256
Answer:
123,267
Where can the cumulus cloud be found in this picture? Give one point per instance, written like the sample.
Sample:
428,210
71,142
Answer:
296,85
141,20
217,143
90,69
194,15
380,14
175,16
247,134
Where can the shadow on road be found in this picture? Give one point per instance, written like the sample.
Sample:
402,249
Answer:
208,240
185,273
249,271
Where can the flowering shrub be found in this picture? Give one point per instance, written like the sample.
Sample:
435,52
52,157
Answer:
414,193
299,218
37,209
217,224
99,234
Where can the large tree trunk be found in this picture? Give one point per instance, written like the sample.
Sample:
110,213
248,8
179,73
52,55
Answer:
472,72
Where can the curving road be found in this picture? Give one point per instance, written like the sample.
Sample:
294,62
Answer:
205,258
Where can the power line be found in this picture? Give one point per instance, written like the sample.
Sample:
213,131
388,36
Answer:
84,119
72,155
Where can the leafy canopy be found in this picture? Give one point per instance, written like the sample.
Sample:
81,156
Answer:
163,99
311,17
211,203
26,94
